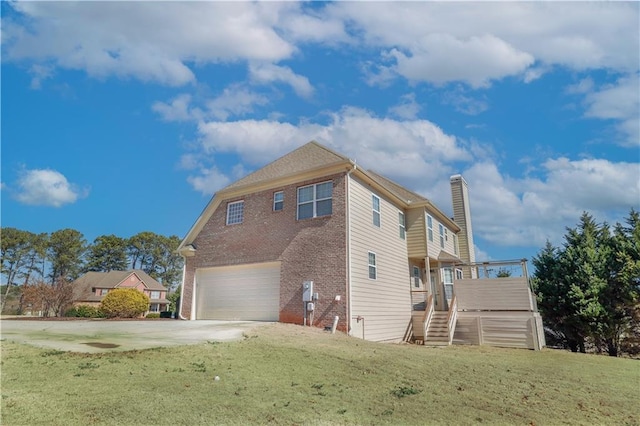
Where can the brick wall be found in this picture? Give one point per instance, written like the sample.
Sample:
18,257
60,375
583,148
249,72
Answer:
311,249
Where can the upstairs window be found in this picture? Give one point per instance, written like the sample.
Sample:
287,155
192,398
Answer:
441,229
373,267
375,206
154,295
416,277
430,227
235,212
401,225
455,244
315,200
278,201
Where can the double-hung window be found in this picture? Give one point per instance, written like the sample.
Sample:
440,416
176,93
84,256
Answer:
430,227
278,201
235,212
315,200
154,295
416,277
375,207
441,229
401,225
373,267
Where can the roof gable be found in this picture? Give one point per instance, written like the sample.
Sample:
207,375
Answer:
83,286
309,156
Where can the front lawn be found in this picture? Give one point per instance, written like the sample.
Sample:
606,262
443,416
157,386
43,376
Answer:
284,374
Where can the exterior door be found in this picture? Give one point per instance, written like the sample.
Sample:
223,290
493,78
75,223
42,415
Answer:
447,281
434,288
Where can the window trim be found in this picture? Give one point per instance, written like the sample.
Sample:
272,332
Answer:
314,201
376,213
275,201
402,225
416,277
430,227
372,267
241,214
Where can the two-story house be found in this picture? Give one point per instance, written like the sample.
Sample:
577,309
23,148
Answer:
92,287
315,215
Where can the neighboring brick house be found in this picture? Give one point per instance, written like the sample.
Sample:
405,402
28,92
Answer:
92,287
314,215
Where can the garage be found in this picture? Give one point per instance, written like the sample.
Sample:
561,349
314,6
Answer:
244,292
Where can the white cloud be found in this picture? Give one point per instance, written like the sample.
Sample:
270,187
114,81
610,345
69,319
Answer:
408,108
150,41
235,101
208,181
268,73
177,110
441,58
620,102
45,187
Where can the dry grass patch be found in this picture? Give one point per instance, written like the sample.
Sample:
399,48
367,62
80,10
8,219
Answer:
285,374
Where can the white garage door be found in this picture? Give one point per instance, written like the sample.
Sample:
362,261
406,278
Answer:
247,292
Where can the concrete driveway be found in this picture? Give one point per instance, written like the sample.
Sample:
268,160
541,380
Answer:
106,336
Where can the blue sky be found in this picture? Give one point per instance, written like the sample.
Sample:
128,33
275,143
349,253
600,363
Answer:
121,117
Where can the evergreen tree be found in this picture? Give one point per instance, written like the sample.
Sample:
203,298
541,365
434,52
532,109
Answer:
107,253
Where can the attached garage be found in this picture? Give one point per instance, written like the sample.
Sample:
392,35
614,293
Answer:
244,292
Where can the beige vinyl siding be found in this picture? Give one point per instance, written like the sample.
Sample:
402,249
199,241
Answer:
434,247
416,233
385,302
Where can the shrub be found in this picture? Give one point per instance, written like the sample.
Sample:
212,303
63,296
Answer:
124,303
153,315
85,311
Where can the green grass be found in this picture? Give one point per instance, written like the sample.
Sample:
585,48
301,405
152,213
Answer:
288,375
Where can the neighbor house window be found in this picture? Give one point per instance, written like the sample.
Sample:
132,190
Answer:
315,200
154,307
446,234
455,244
375,206
441,229
401,225
235,212
430,227
373,268
155,295
278,201
459,274
416,276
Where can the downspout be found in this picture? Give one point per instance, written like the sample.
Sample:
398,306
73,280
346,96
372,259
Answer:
184,274
348,236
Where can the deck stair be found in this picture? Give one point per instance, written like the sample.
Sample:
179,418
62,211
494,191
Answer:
438,331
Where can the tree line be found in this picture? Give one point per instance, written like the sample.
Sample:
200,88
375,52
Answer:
30,259
589,288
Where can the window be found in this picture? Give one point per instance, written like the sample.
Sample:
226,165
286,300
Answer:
102,291
154,295
446,234
459,274
235,212
401,225
416,276
448,282
430,227
455,244
441,229
278,201
375,206
154,307
373,269
315,200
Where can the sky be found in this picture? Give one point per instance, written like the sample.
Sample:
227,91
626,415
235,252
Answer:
123,117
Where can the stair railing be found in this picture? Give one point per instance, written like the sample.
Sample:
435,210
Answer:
428,314
452,318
